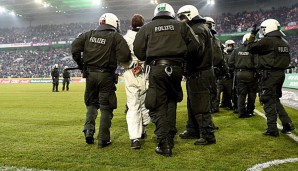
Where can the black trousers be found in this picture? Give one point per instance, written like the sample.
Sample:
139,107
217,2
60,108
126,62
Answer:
199,88
161,99
271,88
100,87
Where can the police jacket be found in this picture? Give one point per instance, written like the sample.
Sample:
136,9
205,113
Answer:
202,60
102,48
217,52
273,51
165,38
241,59
66,74
55,73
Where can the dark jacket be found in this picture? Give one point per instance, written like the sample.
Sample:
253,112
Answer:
204,59
55,73
165,38
241,59
273,52
101,48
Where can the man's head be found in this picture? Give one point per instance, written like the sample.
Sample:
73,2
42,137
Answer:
164,10
270,26
110,20
137,21
230,45
189,13
210,24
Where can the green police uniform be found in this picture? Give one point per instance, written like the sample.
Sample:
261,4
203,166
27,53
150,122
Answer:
274,58
243,63
66,79
55,78
218,66
200,82
102,49
163,43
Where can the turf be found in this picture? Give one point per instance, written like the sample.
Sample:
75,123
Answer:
43,130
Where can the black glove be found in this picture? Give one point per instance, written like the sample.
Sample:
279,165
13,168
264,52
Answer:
254,30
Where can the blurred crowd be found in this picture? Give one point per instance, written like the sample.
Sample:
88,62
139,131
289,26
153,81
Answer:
34,63
38,63
243,21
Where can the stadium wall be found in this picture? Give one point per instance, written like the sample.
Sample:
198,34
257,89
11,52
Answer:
291,80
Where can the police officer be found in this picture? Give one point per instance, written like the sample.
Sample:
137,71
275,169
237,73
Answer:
66,79
228,81
102,49
244,64
200,78
163,43
218,64
137,116
274,57
55,78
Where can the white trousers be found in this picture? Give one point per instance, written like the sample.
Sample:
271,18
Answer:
137,115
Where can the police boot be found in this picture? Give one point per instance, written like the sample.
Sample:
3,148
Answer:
187,134
271,133
207,137
287,128
89,136
57,88
53,89
163,148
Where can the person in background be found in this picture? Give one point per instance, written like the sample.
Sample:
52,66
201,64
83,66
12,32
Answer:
66,79
274,57
55,78
244,64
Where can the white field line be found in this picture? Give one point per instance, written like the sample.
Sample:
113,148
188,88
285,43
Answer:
259,167
293,136
13,168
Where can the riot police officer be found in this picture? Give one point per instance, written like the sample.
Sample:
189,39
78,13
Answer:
200,78
228,81
163,43
66,79
274,57
102,49
244,64
218,64
55,78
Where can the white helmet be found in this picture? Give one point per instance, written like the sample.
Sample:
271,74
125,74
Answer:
110,19
164,9
269,26
245,38
188,11
210,21
229,42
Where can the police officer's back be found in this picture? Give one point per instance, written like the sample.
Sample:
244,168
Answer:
274,57
66,79
102,49
244,65
55,78
163,43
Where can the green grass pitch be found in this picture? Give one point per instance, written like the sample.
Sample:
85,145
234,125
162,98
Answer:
43,130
